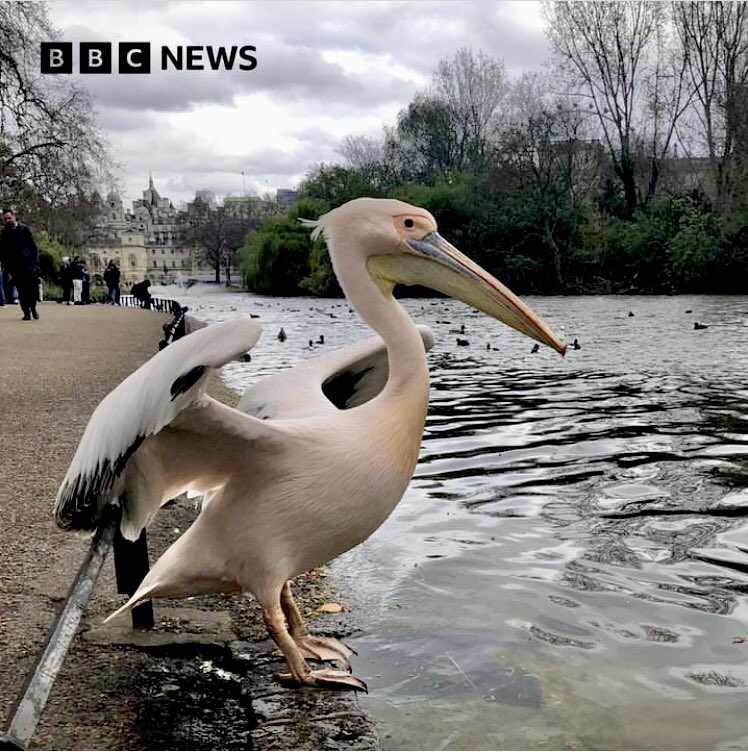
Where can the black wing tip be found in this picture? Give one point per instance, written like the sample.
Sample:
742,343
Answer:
82,500
186,381
68,517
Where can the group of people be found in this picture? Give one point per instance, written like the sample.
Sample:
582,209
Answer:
20,280
75,281
19,265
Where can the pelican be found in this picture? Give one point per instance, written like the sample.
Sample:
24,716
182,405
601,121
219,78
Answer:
311,462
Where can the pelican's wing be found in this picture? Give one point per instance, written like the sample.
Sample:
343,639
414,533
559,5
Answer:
336,381
147,401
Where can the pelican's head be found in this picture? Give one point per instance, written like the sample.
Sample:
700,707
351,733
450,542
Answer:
399,244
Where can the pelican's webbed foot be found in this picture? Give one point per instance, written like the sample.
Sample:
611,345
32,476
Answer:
300,673
312,647
326,678
324,649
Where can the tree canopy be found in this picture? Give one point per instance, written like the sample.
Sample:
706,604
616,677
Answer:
621,169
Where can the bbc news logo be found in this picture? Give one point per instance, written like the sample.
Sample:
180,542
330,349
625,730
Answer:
135,57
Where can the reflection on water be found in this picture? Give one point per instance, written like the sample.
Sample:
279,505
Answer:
569,566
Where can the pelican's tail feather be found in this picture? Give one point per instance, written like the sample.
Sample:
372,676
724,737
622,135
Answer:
141,594
192,565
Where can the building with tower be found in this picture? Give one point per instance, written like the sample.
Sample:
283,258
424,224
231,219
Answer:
145,242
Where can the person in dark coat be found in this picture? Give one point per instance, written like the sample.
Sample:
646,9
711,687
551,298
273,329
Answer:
111,278
20,259
86,291
66,280
141,293
2,286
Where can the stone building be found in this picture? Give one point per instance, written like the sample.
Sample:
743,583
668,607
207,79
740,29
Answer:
145,242
116,237
284,197
159,222
150,241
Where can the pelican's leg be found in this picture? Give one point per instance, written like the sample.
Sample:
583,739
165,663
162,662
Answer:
312,646
300,671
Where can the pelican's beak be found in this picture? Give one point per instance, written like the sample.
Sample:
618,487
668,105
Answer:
435,263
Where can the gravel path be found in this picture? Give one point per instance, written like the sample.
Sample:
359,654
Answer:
215,692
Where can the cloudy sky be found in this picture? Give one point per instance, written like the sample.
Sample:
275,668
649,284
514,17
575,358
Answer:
325,70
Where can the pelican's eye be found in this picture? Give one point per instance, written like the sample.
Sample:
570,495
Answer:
410,226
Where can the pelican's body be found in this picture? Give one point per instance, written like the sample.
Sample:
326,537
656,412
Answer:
312,461
323,490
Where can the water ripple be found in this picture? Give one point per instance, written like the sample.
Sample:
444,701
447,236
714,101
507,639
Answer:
592,506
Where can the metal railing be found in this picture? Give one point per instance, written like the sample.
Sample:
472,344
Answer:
131,566
162,305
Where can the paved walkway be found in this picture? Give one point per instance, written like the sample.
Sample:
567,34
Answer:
53,372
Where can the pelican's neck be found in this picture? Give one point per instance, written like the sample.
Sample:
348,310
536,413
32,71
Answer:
374,302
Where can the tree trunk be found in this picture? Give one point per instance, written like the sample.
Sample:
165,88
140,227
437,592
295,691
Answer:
556,253
654,176
629,186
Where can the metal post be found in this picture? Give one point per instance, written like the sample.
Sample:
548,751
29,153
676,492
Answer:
181,327
131,566
33,696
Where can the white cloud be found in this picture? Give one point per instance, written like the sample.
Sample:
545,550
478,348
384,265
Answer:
325,70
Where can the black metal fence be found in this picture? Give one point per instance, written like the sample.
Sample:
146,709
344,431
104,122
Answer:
131,566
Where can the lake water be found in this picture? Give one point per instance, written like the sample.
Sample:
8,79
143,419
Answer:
569,567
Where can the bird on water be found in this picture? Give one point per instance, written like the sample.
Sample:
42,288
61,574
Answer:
311,461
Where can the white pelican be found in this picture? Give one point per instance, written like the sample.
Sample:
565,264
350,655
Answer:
312,462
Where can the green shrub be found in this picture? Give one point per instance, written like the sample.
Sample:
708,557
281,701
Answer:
276,257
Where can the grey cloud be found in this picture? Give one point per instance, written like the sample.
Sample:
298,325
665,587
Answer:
161,91
291,38
115,119
295,73
165,149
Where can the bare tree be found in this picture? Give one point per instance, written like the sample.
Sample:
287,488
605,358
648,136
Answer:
556,170
363,154
218,233
617,56
714,44
424,145
49,140
472,86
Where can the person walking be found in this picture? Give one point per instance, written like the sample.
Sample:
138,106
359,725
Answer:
20,259
111,278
